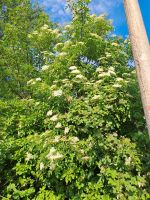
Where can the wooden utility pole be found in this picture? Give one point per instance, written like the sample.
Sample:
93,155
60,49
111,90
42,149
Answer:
141,52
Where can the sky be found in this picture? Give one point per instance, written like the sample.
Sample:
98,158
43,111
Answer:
113,8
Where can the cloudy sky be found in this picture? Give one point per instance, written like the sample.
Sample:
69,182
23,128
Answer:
114,9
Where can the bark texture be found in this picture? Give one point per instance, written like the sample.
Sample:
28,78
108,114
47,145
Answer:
141,52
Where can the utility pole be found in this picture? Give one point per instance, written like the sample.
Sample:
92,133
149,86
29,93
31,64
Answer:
141,52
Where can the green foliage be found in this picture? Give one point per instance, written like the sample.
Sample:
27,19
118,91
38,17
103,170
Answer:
78,132
19,59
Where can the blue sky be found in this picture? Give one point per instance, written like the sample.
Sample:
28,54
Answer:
113,8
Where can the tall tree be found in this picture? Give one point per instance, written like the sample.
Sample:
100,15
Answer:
17,58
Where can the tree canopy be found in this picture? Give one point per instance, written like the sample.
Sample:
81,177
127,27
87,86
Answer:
71,119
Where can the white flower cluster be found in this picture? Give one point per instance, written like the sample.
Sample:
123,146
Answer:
57,93
95,97
101,17
49,113
65,80
53,86
54,155
38,79
41,166
54,118
73,68
99,81
108,54
112,69
104,74
76,71
117,85
45,67
115,44
74,140
101,72
99,69
44,27
57,138
58,125
95,35
67,26
66,130
85,158
55,31
29,156
119,79
79,76
128,161
31,82
62,54
111,72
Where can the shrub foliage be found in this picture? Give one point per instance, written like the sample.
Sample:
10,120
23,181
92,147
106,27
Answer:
78,131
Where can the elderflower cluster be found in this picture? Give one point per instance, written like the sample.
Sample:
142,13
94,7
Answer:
117,85
85,158
31,82
115,44
58,125
95,97
108,54
111,72
73,68
38,79
79,76
53,154
57,93
41,166
95,35
62,54
55,31
65,80
49,113
74,140
119,79
45,67
57,139
99,69
66,130
99,81
67,26
76,71
54,118
29,156
104,74
44,27
128,161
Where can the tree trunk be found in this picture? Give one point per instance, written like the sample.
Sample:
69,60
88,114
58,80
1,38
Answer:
141,52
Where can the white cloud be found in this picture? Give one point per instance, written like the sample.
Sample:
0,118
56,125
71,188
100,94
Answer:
57,10
113,8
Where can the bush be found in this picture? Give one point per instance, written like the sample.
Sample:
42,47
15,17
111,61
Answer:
80,132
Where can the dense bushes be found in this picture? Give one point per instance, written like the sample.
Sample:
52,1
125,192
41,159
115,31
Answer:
79,133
